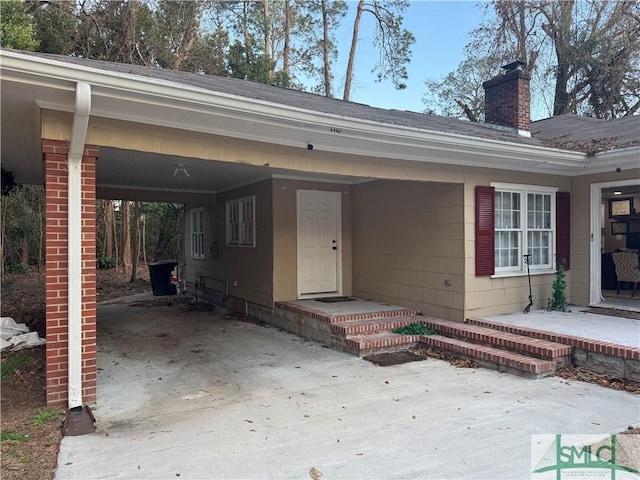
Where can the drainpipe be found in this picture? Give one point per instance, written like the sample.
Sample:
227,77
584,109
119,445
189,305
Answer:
74,205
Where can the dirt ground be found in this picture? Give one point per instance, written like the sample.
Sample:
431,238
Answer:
31,432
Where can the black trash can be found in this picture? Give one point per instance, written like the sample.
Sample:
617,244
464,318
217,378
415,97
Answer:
160,273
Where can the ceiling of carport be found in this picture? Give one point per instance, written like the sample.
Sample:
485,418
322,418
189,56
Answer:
135,170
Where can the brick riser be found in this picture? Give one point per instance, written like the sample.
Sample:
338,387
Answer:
590,345
376,325
334,319
371,333
375,343
538,348
490,357
382,315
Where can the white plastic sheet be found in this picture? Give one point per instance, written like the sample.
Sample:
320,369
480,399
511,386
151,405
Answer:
16,336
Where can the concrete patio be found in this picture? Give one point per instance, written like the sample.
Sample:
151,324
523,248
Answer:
199,394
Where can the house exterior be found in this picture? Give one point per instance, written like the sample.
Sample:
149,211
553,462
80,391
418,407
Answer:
291,195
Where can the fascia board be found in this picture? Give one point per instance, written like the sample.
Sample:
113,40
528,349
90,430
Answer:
140,91
624,158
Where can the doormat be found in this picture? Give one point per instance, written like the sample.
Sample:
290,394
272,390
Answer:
393,358
334,299
614,312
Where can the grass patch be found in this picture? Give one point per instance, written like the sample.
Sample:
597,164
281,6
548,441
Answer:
13,436
13,363
415,329
45,416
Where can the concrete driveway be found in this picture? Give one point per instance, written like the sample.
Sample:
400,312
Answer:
195,395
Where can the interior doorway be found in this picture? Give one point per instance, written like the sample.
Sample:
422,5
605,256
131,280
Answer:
615,227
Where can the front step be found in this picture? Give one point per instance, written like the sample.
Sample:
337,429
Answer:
381,342
503,351
538,348
368,327
374,335
501,360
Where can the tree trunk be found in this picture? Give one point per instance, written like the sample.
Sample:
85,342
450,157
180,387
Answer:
125,238
41,228
287,37
144,239
352,53
107,245
184,50
135,242
267,30
3,215
114,229
559,29
24,251
326,63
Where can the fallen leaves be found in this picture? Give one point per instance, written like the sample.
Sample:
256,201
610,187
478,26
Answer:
439,354
583,375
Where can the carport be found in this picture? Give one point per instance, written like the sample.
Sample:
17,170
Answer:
400,189
90,133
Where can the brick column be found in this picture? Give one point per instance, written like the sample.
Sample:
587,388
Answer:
56,193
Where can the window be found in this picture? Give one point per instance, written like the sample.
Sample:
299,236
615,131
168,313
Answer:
241,222
514,220
197,233
524,224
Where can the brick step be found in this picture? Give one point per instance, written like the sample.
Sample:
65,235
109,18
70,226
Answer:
501,360
525,345
374,325
590,345
380,342
375,315
524,331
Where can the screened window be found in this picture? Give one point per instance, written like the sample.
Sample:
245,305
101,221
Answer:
197,233
241,222
524,224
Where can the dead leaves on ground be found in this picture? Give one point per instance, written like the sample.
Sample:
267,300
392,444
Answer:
439,354
582,375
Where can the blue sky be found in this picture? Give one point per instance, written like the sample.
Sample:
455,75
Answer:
441,30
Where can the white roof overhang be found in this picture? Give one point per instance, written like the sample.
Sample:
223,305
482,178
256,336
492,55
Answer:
51,84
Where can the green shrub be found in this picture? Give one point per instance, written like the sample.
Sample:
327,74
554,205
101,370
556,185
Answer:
104,263
558,300
415,329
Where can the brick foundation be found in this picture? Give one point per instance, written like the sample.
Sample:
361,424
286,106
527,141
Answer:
55,154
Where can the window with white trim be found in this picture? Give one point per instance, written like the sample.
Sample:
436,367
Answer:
524,224
241,222
197,233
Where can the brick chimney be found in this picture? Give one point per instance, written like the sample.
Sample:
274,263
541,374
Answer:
507,101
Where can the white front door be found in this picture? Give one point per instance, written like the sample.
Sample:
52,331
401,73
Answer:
318,242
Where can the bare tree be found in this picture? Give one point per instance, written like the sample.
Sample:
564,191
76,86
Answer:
595,49
393,41
460,94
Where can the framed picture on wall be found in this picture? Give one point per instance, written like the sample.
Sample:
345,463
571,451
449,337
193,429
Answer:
620,206
619,228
